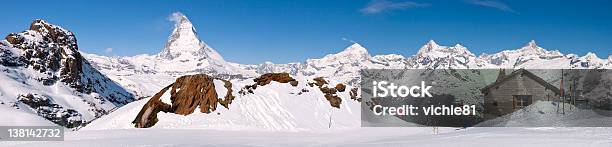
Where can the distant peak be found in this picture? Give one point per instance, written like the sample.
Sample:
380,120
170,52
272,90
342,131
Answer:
355,46
432,44
429,46
591,56
459,46
433,47
532,44
353,51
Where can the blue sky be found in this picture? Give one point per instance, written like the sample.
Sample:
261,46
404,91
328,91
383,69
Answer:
281,31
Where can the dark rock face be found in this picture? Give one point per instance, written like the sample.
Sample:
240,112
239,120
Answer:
55,113
353,94
53,51
186,94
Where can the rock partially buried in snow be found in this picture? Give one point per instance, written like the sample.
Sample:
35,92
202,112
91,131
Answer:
265,79
329,93
186,94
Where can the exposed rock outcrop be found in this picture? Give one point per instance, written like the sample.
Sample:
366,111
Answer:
186,94
353,94
45,107
329,93
340,87
52,51
265,79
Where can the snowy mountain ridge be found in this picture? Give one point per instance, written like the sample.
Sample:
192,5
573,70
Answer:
46,78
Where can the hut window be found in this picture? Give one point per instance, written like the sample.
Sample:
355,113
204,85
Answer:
521,101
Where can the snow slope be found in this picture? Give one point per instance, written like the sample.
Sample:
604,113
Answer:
547,114
276,106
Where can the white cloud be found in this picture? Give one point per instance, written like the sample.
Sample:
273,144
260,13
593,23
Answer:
176,17
492,4
378,6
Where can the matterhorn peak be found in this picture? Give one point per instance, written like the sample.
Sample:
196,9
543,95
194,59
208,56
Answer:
184,41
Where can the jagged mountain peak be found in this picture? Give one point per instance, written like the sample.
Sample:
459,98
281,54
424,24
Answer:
184,41
591,56
532,44
53,80
431,47
533,47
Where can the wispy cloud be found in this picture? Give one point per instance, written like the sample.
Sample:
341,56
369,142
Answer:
108,50
176,17
492,4
349,40
378,6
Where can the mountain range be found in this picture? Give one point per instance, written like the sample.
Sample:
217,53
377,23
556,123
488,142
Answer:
46,74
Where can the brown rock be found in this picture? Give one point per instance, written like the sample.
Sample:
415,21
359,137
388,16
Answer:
14,38
329,93
328,90
293,83
186,94
228,96
195,90
334,100
265,79
147,117
340,87
353,94
319,81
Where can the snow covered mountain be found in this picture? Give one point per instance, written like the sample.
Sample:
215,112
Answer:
434,56
43,74
183,54
343,66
